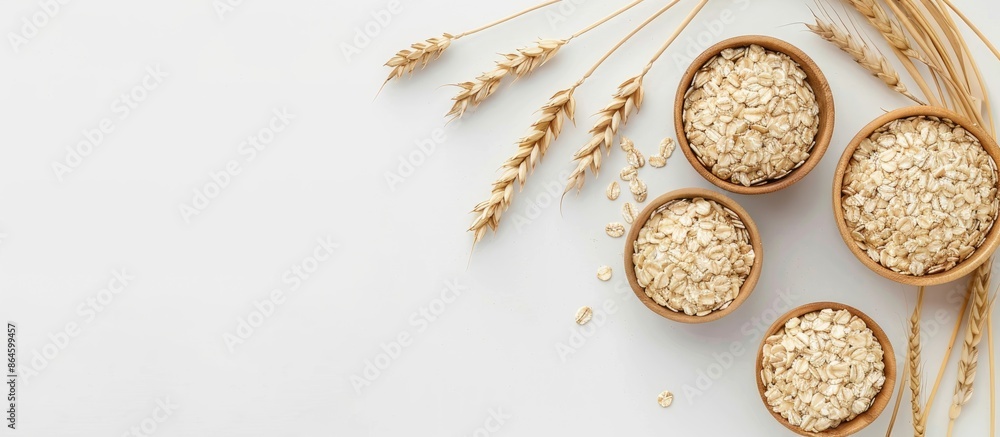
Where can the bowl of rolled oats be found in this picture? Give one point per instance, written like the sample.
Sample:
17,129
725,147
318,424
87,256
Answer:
693,255
825,369
915,196
753,114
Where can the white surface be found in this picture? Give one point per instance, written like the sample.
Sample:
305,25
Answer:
494,349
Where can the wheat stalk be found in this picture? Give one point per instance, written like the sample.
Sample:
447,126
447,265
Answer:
517,64
913,361
615,114
969,358
609,121
530,150
872,61
421,53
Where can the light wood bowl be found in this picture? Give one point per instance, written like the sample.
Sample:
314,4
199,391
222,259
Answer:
815,78
881,399
982,253
689,193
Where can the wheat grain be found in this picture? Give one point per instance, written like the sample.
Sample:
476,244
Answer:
518,64
872,61
969,359
609,121
530,150
913,361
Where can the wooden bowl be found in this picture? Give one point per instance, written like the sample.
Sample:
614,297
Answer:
982,253
881,399
816,79
689,193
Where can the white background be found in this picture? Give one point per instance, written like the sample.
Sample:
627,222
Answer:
494,348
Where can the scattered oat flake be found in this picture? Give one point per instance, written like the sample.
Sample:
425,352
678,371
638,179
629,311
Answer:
583,315
613,190
629,213
657,161
604,273
665,399
615,230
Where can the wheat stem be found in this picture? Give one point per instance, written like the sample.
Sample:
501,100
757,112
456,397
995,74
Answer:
874,62
993,380
615,114
951,345
974,29
507,18
605,19
899,400
518,64
913,361
969,358
421,53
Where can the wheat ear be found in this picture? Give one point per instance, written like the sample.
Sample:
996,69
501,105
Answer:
609,121
405,61
517,64
872,61
913,361
530,150
889,29
615,114
969,359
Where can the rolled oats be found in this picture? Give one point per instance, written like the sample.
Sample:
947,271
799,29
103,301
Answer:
665,399
629,213
822,369
613,190
628,173
692,256
750,116
604,273
638,188
583,315
919,195
657,161
615,230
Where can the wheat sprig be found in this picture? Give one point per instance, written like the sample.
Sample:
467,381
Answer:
421,53
530,150
872,61
609,121
969,359
517,64
913,361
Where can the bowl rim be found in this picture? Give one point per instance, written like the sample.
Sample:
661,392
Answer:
686,193
815,78
981,254
880,401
